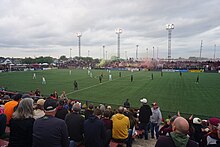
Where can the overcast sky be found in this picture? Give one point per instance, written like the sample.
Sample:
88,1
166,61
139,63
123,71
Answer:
33,28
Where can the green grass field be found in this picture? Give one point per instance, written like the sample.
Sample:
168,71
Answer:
172,92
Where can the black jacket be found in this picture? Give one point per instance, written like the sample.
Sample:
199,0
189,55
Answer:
145,113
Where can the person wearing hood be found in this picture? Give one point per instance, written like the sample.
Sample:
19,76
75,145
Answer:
177,138
94,130
120,128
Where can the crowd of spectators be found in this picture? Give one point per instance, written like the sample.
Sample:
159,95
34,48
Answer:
57,121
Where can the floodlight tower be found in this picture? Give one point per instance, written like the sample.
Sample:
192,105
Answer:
137,51
118,32
79,35
103,51
147,52
70,53
214,51
169,28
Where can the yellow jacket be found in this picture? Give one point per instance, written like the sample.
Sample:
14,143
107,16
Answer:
120,127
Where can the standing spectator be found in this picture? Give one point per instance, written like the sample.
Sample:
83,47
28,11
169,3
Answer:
155,120
89,111
94,130
3,120
177,138
144,117
10,106
37,92
126,104
39,109
21,124
61,111
120,128
211,138
108,127
75,122
50,131
63,95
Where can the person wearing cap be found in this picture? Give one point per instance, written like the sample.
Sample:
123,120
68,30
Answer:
10,106
39,109
75,122
155,120
211,138
144,117
49,131
177,138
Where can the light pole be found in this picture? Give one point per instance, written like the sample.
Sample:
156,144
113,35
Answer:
106,54
169,28
103,51
118,31
70,53
147,52
79,35
137,52
126,56
214,51
88,53
153,52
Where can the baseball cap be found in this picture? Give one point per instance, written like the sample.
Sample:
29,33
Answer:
50,105
144,100
214,121
40,102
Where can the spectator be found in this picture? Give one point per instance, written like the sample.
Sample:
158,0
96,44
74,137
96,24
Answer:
89,111
126,104
94,130
61,111
21,124
120,128
168,129
177,138
197,130
39,110
75,122
155,120
63,95
3,120
10,106
108,127
211,138
50,131
144,117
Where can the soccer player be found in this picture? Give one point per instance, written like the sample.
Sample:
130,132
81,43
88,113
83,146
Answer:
100,79
43,80
161,74
152,76
90,74
75,85
197,79
181,74
34,76
70,72
110,77
132,78
119,74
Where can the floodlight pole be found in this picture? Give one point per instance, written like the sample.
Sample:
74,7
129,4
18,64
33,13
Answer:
79,35
200,53
103,51
147,52
118,31
214,51
70,53
169,28
137,52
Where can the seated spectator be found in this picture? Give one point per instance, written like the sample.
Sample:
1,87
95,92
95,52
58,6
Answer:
63,95
49,131
75,125
120,127
89,111
197,130
168,129
108,127
39,109
211,138
10,106
177,138
61,110
3,120
21,124
94,130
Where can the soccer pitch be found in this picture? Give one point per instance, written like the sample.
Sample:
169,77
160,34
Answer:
171,91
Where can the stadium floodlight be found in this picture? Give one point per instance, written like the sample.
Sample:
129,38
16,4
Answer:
79,35
118,31
169,28
103,47
137,52
70,53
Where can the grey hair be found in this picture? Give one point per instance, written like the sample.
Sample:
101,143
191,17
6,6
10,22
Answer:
25,109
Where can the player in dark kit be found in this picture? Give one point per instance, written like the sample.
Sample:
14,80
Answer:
197,80
132,78
181,74
75,85
119,74
152,76
100,79
161,74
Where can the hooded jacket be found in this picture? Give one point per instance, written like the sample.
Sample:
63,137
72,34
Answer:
120,127
156,116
